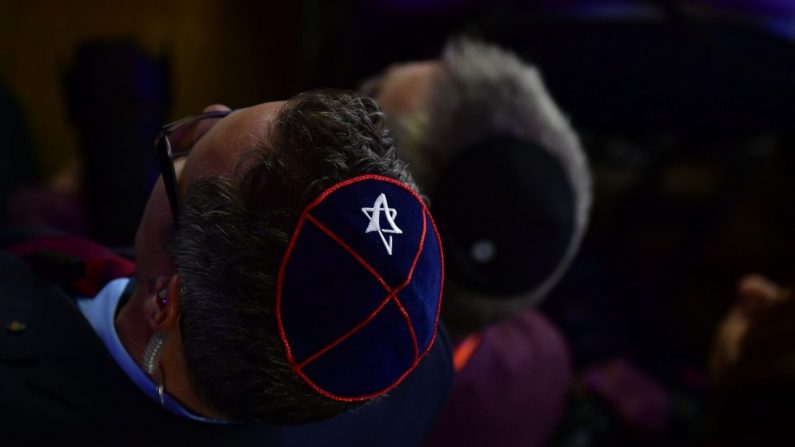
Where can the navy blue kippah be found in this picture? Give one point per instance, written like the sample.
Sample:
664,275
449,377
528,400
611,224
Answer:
359,288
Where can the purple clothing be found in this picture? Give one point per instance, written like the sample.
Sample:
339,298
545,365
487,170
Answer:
512,390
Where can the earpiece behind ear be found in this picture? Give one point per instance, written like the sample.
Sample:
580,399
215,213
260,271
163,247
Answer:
162,296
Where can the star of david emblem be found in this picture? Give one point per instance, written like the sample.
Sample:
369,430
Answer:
374,214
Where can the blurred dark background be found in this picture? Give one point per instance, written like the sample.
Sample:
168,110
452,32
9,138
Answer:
685,109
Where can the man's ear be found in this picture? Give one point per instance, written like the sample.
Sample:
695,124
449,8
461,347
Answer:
166,306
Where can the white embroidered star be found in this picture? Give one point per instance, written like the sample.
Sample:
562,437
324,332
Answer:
374,214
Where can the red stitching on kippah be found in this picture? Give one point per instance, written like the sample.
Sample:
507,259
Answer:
350,250
441,283
411,273
391,296
325,393
375,274
349,332
413,335
397,382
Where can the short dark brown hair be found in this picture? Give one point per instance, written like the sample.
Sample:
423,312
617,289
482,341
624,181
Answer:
232,237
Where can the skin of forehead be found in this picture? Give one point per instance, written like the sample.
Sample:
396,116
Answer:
218,152
404,88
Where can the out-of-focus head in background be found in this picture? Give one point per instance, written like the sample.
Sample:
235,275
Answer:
506,175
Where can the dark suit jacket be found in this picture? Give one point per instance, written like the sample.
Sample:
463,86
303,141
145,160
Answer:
59,386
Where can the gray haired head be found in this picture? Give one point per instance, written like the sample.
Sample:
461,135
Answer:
484,91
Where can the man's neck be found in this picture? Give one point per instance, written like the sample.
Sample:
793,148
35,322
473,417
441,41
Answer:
134,334
130,323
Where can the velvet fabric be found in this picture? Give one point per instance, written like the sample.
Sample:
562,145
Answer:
359,289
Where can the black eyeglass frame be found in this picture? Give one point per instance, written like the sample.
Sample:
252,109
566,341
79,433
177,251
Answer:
166,156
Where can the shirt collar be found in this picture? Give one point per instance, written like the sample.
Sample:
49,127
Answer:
100,312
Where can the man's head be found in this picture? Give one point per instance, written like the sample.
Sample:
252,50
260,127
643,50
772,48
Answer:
505,173
244,189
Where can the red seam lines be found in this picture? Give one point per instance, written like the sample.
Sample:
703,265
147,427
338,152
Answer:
336,397
391,296
362,178
350,250
349,333
441,282
402,310
408,279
